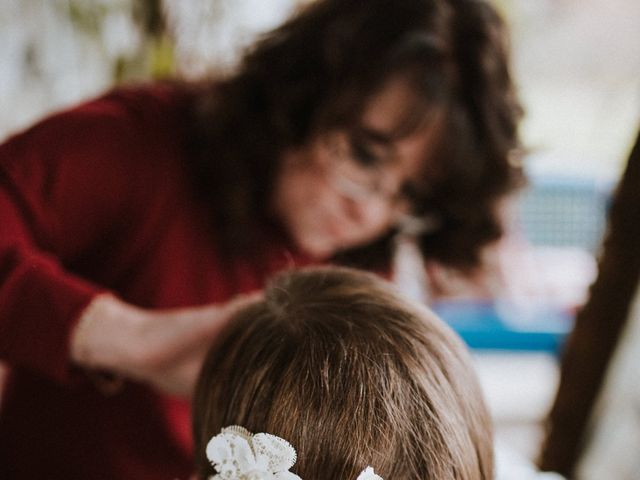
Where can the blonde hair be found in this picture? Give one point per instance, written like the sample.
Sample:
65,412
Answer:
351,374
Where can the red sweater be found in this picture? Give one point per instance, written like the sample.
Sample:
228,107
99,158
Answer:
93,199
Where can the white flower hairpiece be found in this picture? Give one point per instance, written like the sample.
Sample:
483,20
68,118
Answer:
369,474
237,454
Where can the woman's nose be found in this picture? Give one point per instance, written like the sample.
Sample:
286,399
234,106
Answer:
367,213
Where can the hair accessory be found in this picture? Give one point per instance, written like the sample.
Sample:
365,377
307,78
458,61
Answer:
369,474
237,454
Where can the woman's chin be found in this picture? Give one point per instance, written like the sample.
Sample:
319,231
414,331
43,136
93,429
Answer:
317,248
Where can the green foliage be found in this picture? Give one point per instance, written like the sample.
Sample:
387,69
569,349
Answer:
152,57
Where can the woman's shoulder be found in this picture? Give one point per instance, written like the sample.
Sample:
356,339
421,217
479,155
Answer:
123,116
143,101
120,148
129,124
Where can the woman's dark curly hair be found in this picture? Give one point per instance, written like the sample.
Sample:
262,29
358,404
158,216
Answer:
317,72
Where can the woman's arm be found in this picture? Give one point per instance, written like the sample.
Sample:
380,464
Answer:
163,348
75,191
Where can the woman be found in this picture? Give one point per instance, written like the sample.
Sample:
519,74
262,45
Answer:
132,223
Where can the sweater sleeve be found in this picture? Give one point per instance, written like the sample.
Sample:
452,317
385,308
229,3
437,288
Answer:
64,191
39,303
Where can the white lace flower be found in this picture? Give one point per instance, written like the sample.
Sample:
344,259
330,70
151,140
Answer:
237,454
369,474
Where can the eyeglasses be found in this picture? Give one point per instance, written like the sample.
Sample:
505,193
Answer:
362,170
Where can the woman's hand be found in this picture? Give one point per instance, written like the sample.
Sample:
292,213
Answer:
163,348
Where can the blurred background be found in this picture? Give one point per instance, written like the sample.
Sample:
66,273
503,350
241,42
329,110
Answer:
577,66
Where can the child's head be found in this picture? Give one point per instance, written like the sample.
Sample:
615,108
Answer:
351,374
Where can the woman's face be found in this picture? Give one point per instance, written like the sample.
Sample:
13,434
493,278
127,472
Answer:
346,188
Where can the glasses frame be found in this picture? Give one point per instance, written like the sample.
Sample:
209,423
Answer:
362,179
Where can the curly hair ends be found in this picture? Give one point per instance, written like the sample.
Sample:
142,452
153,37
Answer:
316,73
481,140
337,363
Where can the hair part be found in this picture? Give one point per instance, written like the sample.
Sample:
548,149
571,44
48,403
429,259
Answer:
341,366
